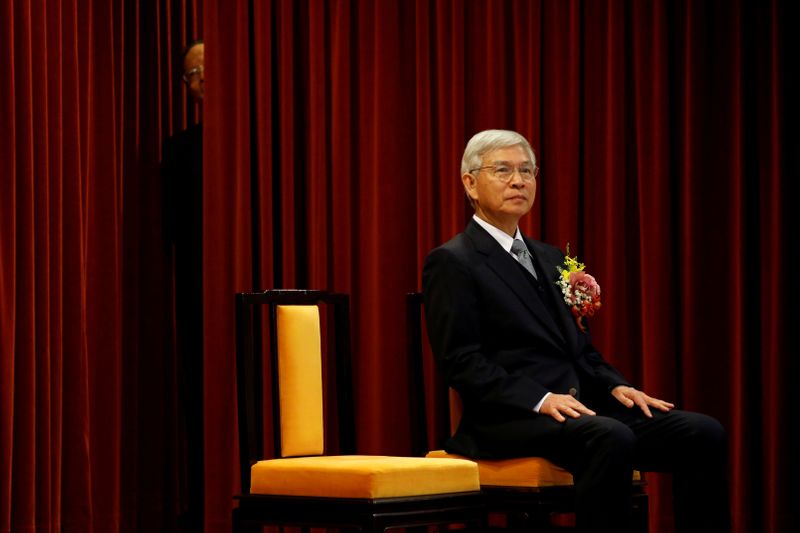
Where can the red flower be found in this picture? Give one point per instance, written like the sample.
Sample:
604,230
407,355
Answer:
581,291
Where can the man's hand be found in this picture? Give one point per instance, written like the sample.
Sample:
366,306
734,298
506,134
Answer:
558,405
628,396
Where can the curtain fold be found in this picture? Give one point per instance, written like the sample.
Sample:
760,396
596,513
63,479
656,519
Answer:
87,413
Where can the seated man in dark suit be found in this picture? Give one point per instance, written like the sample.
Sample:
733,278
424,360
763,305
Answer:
523,363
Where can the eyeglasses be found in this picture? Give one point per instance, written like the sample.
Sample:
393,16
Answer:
503,172
192,74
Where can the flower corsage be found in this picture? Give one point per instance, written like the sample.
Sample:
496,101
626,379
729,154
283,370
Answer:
581,291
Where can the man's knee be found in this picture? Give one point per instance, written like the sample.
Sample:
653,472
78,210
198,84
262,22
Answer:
706,431
700,441
611,436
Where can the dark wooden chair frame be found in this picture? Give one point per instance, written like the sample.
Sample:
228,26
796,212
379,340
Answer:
526,508
256,510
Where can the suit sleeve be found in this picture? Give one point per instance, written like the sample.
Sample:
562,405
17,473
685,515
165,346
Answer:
453,316
601,370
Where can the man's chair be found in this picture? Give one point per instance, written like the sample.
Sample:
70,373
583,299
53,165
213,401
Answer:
533,493
302,486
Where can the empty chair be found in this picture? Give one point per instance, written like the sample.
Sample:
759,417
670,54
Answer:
299,485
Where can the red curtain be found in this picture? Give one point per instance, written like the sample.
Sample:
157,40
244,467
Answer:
88,432
333,133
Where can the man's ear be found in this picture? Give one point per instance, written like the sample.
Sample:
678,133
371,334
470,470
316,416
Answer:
470,183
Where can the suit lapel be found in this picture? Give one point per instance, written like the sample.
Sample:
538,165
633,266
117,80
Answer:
551,273
510,274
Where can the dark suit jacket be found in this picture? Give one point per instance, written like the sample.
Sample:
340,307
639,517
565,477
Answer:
497,342
182,175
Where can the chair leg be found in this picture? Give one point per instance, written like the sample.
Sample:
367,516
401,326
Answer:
640,514
239,527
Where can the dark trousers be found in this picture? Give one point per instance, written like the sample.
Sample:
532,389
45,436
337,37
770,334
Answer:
602,451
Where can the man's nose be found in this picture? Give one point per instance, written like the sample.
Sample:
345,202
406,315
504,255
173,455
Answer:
516,179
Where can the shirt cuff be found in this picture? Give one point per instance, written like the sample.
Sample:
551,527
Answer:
539,405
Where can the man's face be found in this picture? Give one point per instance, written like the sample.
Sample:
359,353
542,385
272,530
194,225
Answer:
193,72
501,204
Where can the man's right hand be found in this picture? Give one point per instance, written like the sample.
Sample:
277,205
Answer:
558,405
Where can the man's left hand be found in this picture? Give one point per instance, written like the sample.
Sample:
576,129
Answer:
628,396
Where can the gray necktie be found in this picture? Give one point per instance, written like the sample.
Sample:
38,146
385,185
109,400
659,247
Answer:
519,250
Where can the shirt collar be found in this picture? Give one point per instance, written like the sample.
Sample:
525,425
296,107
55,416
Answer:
503,238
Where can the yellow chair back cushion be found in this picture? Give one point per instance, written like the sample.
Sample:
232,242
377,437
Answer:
300,380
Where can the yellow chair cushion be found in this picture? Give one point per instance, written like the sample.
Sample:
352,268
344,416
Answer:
362,476
300,380
519,471
516,472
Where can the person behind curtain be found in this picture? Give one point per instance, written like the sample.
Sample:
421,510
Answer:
182,173
531,381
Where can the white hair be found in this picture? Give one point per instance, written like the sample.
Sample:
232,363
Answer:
489,141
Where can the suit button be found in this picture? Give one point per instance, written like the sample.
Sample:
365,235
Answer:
573,392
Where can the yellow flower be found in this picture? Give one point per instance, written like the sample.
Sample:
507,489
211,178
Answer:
572,265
